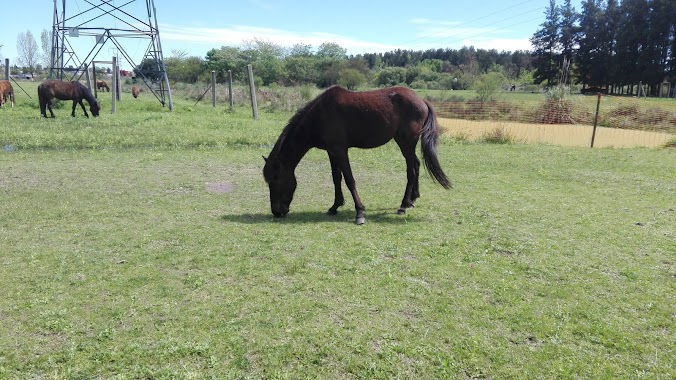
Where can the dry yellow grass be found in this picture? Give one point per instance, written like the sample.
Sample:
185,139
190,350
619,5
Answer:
568,135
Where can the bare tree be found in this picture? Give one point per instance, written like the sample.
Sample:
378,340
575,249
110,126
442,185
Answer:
27,50
46,42
179,53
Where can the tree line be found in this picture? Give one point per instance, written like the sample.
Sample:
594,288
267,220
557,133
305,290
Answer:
608,44
329,64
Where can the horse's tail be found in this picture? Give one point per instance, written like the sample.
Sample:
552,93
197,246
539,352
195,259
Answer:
429,137
42,99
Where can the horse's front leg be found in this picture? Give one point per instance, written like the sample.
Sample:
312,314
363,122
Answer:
81,105
342,160
339,200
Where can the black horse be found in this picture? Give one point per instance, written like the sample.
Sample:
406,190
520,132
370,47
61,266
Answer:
339,119
62,90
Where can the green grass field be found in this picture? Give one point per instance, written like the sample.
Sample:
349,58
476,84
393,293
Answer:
141,245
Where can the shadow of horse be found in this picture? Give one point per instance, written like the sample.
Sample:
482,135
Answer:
380,216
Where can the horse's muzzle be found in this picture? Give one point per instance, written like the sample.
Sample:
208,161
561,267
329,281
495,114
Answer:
281,212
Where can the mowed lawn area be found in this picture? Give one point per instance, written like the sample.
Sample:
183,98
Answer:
141,245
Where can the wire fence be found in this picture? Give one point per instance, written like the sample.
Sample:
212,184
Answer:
576,120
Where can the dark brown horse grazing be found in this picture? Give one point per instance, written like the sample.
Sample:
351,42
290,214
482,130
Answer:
100,85
135,91
6,91
340,119
62,90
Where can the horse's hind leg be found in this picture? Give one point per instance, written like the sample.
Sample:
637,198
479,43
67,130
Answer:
49,107
412,192
339,200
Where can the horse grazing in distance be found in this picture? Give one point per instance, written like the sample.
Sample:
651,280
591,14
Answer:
6,91
100,85
339,119
75,91
135,91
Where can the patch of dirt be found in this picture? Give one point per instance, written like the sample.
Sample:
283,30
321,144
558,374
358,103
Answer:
219,187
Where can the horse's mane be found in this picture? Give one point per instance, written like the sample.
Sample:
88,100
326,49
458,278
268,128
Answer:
292,125
85,93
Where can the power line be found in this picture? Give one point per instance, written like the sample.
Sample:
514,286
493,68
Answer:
469,22
459,36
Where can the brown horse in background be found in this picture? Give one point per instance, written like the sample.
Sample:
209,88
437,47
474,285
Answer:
135,91
6,91
75,91
100,85
340,119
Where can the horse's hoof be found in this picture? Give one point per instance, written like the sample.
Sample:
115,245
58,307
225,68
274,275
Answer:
360,220
332,212
401,211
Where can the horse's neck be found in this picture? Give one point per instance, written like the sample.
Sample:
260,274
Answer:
293,149
88,97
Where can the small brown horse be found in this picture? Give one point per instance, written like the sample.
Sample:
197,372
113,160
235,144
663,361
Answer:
100,85
340,119
135,91
75,91
6,91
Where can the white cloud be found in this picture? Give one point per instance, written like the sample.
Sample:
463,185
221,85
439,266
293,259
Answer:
236,35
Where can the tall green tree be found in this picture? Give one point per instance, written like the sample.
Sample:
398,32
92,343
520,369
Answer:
660,36
546,47
224,59
185,69
568,35
331,61
611,24
632,39
301,69
592,65
266,58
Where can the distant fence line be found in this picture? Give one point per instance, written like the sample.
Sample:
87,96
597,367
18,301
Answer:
620,121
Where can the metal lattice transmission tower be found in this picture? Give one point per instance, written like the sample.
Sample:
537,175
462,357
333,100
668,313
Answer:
102,22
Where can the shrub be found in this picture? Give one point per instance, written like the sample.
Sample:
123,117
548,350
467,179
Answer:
487,85
498,135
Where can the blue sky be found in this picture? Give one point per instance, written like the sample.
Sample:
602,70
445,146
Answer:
195,26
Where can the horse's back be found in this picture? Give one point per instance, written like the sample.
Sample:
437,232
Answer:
62,90
5,87
369,119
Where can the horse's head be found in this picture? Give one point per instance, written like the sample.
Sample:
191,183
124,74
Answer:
95,108
282,184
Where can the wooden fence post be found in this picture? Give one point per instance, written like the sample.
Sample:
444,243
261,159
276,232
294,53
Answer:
252,89
6,68
96,88
113,106
118,82
89,82
596,119
230,90
213,88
